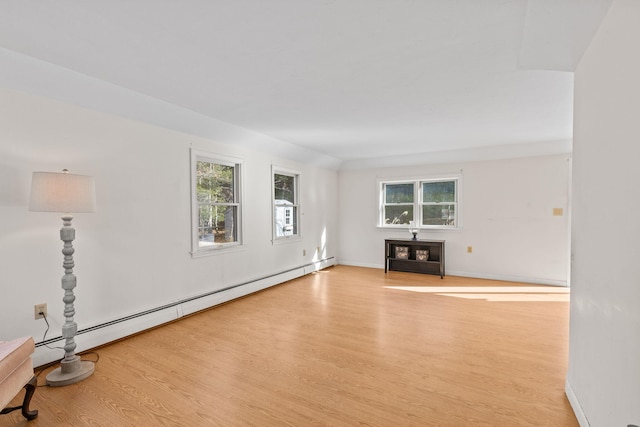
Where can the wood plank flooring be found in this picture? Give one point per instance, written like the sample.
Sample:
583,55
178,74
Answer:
346,346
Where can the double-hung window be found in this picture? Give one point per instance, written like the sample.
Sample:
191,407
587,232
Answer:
216,202
426,202
438,203
286,207
398,203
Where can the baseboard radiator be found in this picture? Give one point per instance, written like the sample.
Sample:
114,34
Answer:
103,333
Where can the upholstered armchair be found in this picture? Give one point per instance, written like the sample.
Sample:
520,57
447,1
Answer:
16,373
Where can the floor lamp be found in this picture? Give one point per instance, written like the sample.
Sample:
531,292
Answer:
65,193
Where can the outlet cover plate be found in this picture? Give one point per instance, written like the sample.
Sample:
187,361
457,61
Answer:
39,308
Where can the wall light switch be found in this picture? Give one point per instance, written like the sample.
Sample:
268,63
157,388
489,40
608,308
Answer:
469,249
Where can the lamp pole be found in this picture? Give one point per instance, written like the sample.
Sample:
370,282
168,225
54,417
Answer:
71,369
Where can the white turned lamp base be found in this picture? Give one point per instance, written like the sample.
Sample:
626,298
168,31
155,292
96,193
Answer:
70,372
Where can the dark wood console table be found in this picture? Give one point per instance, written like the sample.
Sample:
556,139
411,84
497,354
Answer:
409,255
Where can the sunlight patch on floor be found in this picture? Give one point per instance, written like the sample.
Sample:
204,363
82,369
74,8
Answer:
495,293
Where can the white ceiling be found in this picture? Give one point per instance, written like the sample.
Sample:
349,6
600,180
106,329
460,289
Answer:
354,80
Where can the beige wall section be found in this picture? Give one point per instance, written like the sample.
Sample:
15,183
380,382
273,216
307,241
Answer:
133,253
604,369
507,218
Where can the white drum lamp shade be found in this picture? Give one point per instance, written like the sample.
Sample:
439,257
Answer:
62,192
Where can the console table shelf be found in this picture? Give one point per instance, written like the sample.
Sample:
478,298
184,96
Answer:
409,255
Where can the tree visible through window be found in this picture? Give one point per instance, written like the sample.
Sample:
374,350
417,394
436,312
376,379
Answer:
439,203
217,203
431,203
398,203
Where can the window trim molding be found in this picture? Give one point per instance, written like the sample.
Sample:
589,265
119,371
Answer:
417,180
275,169
381,200
236,162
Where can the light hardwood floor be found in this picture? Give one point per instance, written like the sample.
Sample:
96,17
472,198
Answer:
346,346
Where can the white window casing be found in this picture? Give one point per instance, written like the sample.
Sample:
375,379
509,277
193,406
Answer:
431,202
216,203
285,197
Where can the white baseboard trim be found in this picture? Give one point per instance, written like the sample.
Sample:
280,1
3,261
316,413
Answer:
116,329
575,405
361,264
319,265
509,278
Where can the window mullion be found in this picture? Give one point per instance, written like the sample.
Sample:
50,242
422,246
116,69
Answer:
435,202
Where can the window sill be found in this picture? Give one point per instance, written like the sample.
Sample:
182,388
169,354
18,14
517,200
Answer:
284,240
217,250
421,230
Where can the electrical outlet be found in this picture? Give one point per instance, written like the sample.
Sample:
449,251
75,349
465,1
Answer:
39,308
469,249
304,252
318,249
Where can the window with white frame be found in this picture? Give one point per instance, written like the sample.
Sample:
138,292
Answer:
398,203
438,203
286,208
216,202
427,202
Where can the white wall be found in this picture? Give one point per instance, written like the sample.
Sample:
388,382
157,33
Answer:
133,253
507,218
603,381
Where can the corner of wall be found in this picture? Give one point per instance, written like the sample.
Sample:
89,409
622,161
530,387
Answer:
575,405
